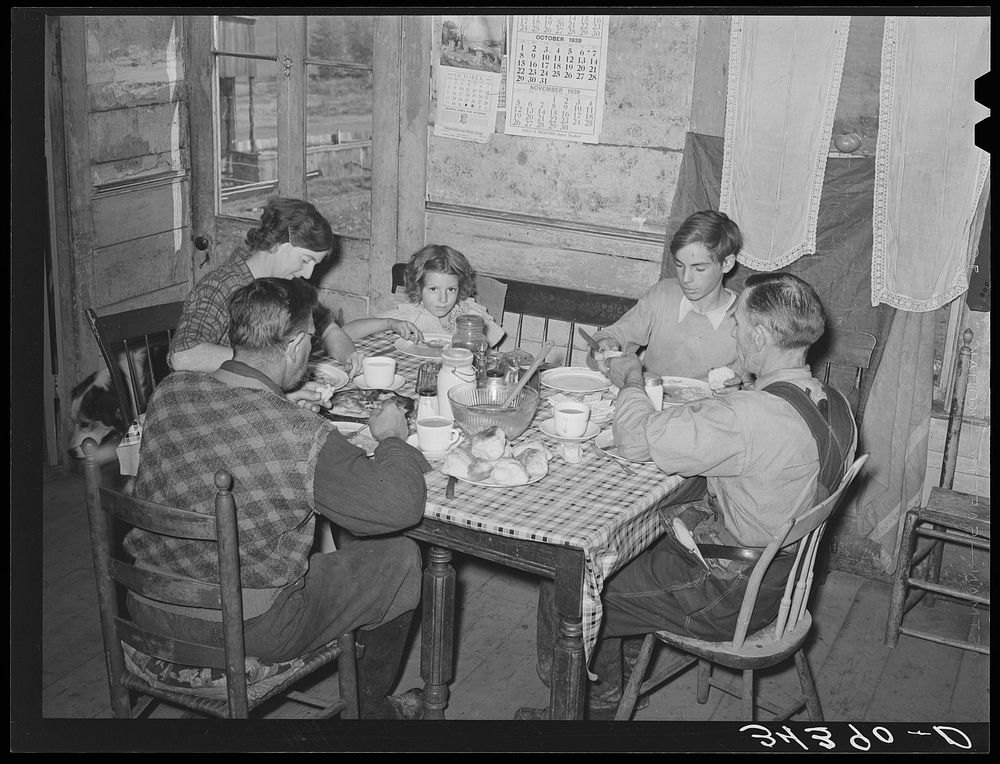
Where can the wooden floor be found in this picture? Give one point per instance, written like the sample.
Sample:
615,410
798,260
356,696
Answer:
858,678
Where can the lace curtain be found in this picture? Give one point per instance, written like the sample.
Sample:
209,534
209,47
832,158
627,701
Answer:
929,174
784,80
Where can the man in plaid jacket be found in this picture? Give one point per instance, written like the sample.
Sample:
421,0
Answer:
288,464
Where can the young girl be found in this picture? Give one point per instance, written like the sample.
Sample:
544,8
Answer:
439,284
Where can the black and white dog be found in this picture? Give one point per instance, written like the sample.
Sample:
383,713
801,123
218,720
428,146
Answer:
94,410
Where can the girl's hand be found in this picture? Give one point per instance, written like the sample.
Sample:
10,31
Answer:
406,330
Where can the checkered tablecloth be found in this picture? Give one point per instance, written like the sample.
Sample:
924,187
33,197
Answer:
591,505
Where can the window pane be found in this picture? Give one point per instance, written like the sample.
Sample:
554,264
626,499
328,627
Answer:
247,34
341,38
338,147
248,134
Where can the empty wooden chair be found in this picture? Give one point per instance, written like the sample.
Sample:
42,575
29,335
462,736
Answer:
147,330
214,681
950,517
783,638
840,358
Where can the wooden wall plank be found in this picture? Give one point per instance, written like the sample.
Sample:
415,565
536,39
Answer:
139,266
154,129
140,212
530,252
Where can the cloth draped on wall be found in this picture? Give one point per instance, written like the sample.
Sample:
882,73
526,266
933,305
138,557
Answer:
895,432
784,81
839,269
929,173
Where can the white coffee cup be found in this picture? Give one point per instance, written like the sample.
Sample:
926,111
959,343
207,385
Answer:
570,418
379,371
436,434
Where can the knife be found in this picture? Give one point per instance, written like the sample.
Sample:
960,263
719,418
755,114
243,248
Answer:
449,491
589,340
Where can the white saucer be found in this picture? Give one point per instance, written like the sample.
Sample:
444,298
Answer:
412,440
548,428
397,383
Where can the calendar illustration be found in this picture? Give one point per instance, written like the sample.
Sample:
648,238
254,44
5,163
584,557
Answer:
555,76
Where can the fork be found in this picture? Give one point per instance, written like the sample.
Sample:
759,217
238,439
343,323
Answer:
624,467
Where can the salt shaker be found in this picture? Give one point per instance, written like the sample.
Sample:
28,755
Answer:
653,384
427,394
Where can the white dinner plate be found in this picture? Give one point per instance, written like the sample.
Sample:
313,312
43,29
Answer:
436,455
431,347
605,443
549,428
687,390
325,372
349,428
397,383
574,379
491,484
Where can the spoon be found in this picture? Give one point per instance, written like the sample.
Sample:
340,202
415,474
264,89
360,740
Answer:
546,347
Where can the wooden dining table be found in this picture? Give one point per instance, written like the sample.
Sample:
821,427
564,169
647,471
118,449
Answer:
577,526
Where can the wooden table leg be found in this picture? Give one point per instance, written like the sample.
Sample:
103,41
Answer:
567,688
437,631
566,695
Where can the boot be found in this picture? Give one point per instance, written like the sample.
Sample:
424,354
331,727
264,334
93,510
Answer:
380,654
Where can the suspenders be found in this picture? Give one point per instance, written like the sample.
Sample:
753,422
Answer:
831,424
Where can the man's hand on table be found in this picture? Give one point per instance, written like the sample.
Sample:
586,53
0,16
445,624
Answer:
388,421
625,369
311,395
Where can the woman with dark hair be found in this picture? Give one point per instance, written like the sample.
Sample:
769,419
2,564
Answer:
290,240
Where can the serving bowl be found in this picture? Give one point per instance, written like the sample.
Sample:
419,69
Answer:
477,408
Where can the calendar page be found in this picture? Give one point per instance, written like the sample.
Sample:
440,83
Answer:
469,51
555,76
467,104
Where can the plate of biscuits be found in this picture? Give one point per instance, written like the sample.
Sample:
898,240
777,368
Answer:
488,459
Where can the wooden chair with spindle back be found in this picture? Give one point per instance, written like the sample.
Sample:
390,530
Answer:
148,329
784,637
949,517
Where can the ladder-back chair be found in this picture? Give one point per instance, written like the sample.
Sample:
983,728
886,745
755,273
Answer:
950,517
784,637
214,681
840,358
135,342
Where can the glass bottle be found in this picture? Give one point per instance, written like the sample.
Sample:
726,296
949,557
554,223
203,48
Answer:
470,333
456,368
427,394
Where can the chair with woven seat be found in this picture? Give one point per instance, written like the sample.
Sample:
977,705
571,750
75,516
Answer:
146,329
949,517
775,643
214,681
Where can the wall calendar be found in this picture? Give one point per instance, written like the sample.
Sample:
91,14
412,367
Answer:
555,76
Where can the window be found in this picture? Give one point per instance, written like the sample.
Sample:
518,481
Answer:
294,103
